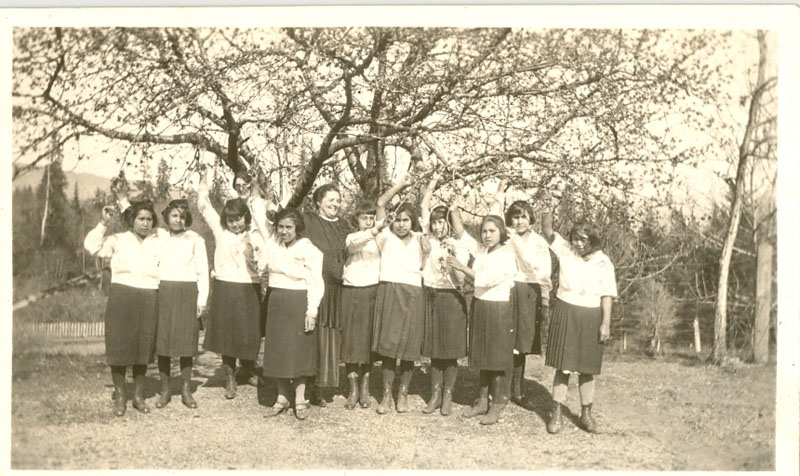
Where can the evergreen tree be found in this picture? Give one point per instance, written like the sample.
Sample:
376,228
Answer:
162,181
56,223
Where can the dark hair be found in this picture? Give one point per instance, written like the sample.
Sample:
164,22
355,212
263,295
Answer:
234,208
180,204
365,207
241,175
499,224
320,192
130,213
295,215
440,212
412,213
518,208
591,231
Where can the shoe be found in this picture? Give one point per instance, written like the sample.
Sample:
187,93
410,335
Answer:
363,393
352,397
587,420
230,382
139,402
249,373
555,423
118,397
436,392
315,396
277,409
480,407
386,402
402,399
165,396
186,388
447,402
493,415
301,410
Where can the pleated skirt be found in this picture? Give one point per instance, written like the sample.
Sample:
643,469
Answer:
289,351
399,321
358,316
233,320
491,335
526,300
445,334
574,340
130,325
178,327
329,335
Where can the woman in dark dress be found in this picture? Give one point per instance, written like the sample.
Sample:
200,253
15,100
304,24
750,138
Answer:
328,232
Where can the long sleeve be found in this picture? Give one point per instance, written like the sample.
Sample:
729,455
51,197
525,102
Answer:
201,267
501,268
98,244
314,281
208,213
354,242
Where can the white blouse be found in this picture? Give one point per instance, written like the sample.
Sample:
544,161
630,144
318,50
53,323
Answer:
583,282
533,260
494,271
298,266
401,259
235,256
184,259
134,261
363,265
434,271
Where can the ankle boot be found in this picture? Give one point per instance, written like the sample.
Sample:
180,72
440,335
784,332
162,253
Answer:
165,395
450,374
587,420
481,405
386,402
230,382
363,394
352,397
119,394
499,399
402,392
436,392
249,372
186,388
554,425
139,402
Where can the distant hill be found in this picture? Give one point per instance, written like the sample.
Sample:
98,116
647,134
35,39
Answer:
87,183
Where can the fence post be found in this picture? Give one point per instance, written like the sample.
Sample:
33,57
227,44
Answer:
696,325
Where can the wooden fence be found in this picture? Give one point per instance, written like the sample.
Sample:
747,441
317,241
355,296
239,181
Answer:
65,330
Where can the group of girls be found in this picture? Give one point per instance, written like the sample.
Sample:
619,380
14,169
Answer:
388,291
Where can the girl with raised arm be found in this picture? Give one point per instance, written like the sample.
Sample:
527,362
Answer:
581,316
131,310
233,318
491,336
399,306
445,308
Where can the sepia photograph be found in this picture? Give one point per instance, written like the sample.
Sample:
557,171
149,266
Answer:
402,238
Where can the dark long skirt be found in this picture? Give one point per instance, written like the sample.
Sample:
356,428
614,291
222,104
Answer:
526,300
358,315
178,327
130,325
445,324
399,321
233,320
329,335
491,339
574,340
289,351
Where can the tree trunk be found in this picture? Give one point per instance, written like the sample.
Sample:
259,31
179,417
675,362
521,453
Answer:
46,207
720,306
763,302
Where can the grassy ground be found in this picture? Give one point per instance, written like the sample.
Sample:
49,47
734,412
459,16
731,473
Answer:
654,415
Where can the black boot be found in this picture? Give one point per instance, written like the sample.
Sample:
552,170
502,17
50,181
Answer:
450,374
249,373
554,425
139,402
402,391
499,399
386,402
436,392
230,382
186,387
165,396
118,378
352,397
481,405
587,420
517,377
363,394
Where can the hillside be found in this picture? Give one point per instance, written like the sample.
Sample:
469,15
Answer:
87,183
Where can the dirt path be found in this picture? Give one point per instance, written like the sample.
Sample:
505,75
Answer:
654,416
